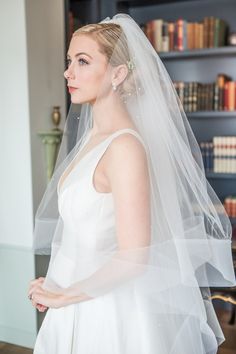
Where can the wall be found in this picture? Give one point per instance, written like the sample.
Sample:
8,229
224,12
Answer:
32,65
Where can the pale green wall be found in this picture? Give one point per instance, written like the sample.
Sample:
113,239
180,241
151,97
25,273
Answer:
18,323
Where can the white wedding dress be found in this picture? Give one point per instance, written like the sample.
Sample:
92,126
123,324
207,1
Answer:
116,322
108,324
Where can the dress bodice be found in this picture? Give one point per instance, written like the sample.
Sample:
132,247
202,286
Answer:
86,203
88,215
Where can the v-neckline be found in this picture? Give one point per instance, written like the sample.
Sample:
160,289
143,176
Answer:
59,190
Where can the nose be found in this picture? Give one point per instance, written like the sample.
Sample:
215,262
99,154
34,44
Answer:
68,74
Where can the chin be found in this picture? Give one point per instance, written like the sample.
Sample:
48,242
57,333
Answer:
77,100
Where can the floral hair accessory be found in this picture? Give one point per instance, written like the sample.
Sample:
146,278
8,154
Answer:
130,65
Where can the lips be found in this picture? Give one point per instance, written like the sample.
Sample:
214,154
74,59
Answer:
72,89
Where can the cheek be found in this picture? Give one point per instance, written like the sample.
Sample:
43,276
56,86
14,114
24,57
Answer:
101,80
92,79
86,78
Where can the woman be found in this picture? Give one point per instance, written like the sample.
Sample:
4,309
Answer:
135,232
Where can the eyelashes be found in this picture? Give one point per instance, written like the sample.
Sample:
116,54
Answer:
68,61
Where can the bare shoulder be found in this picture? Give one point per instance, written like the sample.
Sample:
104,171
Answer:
127,147
127,142
127,163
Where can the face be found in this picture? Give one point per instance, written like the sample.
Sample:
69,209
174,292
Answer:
86,67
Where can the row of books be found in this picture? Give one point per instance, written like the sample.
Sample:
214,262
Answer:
219,155
230,206
217,96
182,35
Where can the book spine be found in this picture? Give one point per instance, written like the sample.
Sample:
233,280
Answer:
216,32
226,96
234,153
171,29
235,95
201,28
208,157
205,32
231,95
180,34
185,35
216,97
165,37
157,34
211,32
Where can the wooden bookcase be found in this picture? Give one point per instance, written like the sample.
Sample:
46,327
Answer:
201,65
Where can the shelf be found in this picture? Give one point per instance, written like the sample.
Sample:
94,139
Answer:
201,53
211,114
220,175
140,3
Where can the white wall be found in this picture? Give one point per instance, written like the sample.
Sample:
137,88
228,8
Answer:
16,220
46,48
31,72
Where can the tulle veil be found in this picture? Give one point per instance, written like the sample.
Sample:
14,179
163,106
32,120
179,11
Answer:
190,247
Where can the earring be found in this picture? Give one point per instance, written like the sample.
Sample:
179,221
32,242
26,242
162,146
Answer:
113,86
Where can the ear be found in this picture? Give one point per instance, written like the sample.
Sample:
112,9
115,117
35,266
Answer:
119,74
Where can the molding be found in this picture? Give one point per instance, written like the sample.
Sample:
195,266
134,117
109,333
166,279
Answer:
17,336
20,248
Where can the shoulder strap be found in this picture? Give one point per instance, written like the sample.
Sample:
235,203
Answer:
104,145
122,131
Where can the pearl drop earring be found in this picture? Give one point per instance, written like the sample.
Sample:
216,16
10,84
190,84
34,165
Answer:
113,86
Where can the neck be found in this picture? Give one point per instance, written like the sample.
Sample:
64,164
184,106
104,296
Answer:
109,115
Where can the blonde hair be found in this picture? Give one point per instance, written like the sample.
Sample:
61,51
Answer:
113,44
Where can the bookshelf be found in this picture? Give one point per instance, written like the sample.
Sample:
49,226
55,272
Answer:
202,65
200,53
212,114
221,175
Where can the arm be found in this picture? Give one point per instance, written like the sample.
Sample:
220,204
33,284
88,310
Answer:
127,173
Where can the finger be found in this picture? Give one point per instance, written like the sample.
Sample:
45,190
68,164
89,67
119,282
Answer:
33,302
36,281
32,290
39,299
38,306
41,308
33,281
36,287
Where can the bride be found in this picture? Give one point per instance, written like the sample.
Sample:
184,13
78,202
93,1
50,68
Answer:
135,232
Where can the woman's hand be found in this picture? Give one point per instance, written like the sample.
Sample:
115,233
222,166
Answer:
34,284
48,299
42,299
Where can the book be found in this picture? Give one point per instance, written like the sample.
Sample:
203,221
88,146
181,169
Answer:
183,35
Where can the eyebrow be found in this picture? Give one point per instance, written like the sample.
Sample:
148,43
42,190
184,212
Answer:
76,55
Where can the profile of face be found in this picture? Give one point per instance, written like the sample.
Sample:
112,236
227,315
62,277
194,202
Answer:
88,74
86,69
